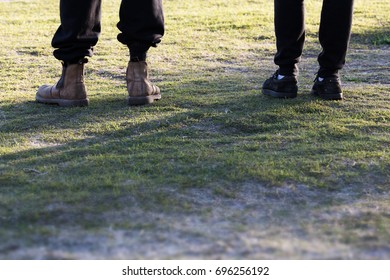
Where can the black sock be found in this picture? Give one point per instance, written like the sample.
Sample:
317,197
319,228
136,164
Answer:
138,51
76,61
327,73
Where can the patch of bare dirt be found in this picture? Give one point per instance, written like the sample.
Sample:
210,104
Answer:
252,222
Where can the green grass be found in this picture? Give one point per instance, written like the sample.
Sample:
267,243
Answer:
212,130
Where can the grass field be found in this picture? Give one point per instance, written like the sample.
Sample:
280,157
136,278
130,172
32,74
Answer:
213,170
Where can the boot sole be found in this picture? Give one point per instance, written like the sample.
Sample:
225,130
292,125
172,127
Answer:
333,96
142,100
64,102
279,94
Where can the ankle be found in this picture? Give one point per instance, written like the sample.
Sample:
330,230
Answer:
82,60
138,51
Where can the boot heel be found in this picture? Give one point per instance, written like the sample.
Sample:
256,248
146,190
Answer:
142,100
73,103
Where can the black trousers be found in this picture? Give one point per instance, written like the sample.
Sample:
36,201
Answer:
334,34
139,21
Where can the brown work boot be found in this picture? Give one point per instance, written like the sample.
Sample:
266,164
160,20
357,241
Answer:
69,90
141,90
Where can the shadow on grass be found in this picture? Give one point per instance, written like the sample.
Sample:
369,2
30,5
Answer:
198,124
376,36
203,134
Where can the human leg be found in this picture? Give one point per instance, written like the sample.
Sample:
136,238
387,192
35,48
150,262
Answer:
79,29
290,37
290,34
142,26
74,39
141,21
334,35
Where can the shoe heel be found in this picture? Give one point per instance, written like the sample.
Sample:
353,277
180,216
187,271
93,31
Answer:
277,94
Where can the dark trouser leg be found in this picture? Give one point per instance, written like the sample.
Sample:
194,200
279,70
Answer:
79,29
335,31
141,21
290,34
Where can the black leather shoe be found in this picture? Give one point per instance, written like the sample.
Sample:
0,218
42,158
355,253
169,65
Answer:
328,88
283,88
